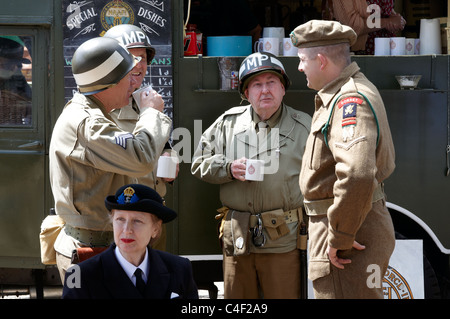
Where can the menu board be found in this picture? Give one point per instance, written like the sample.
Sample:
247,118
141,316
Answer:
86,19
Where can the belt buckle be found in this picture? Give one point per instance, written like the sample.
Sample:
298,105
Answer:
258,237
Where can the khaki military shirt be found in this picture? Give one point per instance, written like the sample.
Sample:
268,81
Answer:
91,157
233,136
357,157
126,118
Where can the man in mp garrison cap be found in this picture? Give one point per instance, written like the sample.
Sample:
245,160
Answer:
348,155
260,218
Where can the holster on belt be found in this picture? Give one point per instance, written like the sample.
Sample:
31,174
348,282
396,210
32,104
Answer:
82,253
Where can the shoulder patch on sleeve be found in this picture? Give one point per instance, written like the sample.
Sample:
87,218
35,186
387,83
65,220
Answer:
349,100
121,139
349,106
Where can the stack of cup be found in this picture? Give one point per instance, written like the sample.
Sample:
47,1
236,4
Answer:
382,46
288,48
271,41
409,46
396,46
430,36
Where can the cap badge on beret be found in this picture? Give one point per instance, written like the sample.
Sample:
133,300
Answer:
128,196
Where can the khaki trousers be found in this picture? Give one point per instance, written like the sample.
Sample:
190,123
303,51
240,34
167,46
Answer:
356,279
270,276
63,263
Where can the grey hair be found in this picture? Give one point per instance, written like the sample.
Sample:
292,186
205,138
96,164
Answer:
337,53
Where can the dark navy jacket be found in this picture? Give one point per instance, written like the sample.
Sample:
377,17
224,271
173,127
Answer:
102,277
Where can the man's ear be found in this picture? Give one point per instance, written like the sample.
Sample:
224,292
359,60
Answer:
323,61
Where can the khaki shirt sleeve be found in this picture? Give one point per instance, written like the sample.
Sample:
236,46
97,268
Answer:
209,162
353,143
109,148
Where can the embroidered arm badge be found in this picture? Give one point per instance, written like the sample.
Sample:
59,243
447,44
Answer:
349,106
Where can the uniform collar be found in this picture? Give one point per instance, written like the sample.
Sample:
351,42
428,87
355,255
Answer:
272,121
129,268
329,91
91,102
128,112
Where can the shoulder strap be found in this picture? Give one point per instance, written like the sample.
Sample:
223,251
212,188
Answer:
327,124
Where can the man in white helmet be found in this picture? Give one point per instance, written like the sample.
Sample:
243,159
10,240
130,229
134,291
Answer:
90,155
265,263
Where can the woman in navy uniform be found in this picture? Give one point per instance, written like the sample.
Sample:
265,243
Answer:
129,268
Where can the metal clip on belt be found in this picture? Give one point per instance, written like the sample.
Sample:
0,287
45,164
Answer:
320,207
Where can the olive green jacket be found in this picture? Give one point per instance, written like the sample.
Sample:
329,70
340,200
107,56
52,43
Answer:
232,136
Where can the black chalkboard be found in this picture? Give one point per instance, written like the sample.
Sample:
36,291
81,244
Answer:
83,20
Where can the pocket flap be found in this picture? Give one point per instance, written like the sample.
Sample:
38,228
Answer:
318,269
274,223
273,219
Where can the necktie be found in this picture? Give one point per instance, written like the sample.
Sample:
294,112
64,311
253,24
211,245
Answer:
262,132
140,284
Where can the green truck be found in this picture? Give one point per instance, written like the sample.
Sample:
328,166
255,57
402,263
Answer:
418,192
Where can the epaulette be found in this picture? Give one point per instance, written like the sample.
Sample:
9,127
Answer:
349,87
236,110
302,118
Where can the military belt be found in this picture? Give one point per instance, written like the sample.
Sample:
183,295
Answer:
320,207
90,237
290,216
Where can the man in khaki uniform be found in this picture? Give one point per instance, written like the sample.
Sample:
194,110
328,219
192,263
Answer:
90,156
260,219
348,155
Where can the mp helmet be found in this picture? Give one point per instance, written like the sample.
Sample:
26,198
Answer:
132,36
257,63
100,63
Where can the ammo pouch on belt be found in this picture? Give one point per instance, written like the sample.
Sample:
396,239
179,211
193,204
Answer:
237,227
234,231
274,222
279,227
